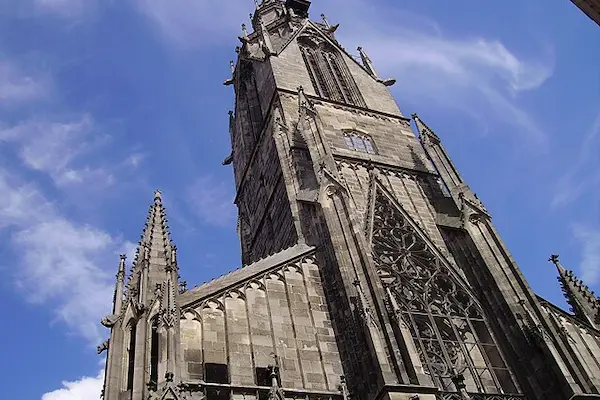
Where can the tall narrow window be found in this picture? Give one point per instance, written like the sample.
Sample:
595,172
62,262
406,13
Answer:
131,356
328,72
359,142
446,323
154,353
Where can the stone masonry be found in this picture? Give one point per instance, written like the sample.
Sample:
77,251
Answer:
371,270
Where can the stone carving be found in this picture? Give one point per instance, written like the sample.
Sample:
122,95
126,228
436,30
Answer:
109,321
438,308
104,346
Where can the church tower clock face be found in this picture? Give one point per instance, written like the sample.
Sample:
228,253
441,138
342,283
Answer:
370,269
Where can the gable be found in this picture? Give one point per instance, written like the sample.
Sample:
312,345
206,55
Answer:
404,255
290,70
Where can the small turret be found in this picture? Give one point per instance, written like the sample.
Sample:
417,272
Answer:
584,303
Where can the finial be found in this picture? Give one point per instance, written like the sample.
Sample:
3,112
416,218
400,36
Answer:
157,196
256,3
121,271
324,18
414,116
244,31
554,259
237,49
232,66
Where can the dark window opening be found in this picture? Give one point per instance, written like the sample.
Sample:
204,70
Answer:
154,354
217,394
131,356
263,376
216,373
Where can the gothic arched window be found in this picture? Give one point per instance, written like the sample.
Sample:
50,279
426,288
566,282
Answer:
447,325
154,352
328,72
131,355
359,142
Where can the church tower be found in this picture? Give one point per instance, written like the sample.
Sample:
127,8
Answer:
371,270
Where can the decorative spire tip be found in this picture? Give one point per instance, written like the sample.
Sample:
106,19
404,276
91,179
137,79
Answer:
554,259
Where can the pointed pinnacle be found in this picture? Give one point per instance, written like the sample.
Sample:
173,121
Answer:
554,260
157,196
325,21
121,271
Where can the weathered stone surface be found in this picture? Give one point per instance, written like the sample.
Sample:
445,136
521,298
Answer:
368,272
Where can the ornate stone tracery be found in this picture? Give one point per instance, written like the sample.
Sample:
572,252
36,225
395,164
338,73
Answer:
446,322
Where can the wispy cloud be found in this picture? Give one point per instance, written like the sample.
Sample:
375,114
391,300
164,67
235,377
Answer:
589,239
475,75
61,263
17,86
479,76
60,149
191,23
82,389
211,201
582,176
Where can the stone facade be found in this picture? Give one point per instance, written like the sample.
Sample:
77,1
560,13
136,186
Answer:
370,268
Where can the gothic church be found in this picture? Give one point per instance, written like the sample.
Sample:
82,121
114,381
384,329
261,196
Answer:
370,268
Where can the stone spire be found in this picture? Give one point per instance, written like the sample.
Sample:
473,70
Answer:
583,301
153,252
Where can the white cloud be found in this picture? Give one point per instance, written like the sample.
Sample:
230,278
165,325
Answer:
18,86
58,149
584,175
86,388
480,77
190,23
589,240
211,201
61,264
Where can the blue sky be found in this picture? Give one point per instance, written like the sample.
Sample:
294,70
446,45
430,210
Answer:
103,101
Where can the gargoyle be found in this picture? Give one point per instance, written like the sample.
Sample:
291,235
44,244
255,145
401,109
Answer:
104,346
109,321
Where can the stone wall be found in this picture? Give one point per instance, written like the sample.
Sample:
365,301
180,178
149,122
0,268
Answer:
282,313
263,201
